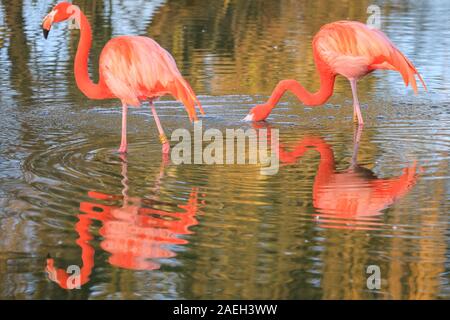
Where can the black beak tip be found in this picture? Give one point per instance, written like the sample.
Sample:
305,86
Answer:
45,32
49,256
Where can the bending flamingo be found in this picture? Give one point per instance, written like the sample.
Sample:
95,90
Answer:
132,69
346,48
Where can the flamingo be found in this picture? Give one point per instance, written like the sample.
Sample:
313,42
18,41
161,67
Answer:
347,48
132,69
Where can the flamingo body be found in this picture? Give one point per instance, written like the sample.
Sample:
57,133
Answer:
355,193
346,48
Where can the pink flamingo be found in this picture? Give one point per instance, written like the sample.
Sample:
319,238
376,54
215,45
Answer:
132,69
346,48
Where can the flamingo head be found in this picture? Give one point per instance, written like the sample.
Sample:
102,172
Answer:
258,113
61,12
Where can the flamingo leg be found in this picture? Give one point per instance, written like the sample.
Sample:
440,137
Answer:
356,139
123,143
162,135
265,109
357,116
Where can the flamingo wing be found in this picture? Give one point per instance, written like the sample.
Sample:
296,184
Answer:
353,49
136,68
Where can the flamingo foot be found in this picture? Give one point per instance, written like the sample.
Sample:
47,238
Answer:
166,148
259,113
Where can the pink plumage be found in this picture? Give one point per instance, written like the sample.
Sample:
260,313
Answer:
137,68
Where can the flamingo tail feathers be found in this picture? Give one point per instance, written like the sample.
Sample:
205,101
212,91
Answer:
181,90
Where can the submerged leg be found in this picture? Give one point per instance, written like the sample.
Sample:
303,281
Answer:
123,143
356,139
357,116
162,135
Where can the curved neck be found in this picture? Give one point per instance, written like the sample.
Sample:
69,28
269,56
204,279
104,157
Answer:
84,83
311,99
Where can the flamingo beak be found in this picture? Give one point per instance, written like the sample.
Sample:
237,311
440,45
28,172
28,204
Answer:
248,118
47,23
45,32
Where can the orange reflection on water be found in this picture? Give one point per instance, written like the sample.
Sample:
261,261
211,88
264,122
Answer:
135,234
350,199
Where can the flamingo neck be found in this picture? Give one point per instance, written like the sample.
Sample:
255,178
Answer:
66,278
311,99
84,83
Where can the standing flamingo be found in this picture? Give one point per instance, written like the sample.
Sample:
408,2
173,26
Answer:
346,48
132,69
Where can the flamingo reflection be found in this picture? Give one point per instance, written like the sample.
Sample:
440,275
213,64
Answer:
135,234
356,193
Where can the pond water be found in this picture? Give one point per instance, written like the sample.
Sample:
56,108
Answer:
141,227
